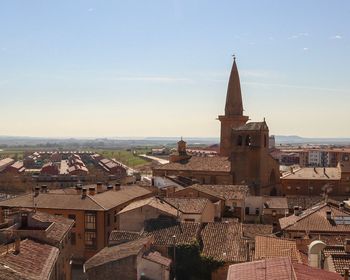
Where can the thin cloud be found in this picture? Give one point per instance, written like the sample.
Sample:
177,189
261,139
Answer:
91,10
299,35
336,37
156,79
296,87
306,49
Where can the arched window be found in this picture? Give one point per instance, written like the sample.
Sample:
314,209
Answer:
248,140
240,140
265,141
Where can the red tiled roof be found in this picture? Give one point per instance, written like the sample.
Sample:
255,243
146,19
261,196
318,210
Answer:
195,163
35,261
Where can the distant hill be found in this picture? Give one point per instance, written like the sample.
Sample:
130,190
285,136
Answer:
281,139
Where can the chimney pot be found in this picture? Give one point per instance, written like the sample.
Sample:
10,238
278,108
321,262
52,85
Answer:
17,245
84,191
36,190
99,187
329,215
117,186
297,210
92,190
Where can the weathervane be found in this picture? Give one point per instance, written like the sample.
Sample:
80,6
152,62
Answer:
234,57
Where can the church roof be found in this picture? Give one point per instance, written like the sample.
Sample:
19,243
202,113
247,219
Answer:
234,104
253,126
196,163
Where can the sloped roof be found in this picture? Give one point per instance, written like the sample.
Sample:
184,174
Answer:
115,253
225,192
267,247
278,268
252,230
315,220
186,233
157,258
120,236
188,205
195,163
35,261
223,242
98,202
153,202
314,173
253,126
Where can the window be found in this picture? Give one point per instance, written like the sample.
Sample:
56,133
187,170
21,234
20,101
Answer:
72,217
265,141
247,210
73,239
90,221
90,239
257,211
115,216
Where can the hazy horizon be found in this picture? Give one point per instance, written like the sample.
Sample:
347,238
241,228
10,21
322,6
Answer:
100,69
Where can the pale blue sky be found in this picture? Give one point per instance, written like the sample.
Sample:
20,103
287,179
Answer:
160,68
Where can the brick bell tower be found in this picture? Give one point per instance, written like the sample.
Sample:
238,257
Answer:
233,117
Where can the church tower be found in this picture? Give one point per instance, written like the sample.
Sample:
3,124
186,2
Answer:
233,117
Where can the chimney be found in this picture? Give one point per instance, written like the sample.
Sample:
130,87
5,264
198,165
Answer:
36,191
347,246
117,186
78,188
92,191
99,187
329,215
297,210
109,187
83,195
346,273
17,245
44,188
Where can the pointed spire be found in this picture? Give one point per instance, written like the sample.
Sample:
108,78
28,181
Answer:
234,104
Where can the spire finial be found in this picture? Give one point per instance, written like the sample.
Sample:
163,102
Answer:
234,57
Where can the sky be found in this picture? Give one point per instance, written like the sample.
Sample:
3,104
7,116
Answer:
103,68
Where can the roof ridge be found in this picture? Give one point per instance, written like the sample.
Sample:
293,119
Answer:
96,202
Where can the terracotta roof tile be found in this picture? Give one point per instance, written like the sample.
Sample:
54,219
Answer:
223,242
315,220
119,236
188,205
267,247
252,230
153,202
35,261
207,163
157,258
225,192
186,233
118,252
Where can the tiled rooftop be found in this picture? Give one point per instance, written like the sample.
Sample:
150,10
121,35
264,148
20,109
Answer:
223,242
311,173
225,192
118,252
315,220
278,269
153,202
206,163
267,247
186,233
98,202
188,205
252,230
119,236
35,261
